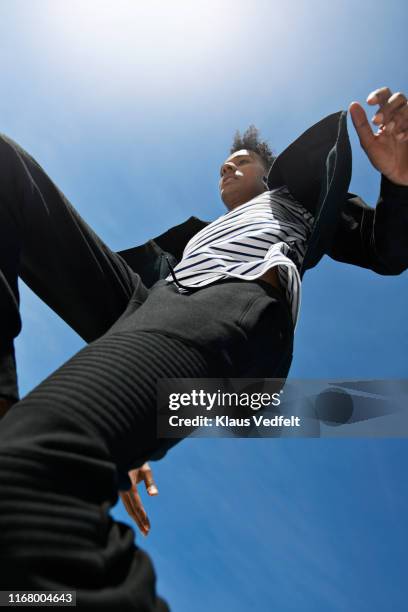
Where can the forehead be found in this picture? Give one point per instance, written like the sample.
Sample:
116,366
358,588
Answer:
240,153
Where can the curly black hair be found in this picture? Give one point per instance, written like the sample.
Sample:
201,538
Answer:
250,140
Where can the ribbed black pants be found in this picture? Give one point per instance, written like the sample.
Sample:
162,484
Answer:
63,446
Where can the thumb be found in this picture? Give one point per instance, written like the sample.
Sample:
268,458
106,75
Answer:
360,122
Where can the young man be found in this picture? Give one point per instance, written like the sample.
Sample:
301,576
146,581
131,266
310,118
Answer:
226,305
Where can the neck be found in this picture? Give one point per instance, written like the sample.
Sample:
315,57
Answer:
233,203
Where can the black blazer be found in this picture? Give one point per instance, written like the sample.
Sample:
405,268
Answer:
316,167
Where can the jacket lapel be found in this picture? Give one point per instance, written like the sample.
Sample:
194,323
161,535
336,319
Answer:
148,259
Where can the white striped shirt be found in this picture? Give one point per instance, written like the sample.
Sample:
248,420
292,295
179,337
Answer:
249,240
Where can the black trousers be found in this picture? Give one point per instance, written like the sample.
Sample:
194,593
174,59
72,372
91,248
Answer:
64,447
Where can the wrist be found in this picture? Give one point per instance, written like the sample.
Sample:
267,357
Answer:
395,190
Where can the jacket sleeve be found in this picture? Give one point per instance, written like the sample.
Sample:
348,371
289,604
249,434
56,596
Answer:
374,238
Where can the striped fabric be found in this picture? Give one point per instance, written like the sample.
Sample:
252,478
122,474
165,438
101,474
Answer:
246,242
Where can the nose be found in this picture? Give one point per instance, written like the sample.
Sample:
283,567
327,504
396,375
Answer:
228,168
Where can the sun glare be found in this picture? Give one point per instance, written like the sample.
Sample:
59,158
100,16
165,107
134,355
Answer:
143,43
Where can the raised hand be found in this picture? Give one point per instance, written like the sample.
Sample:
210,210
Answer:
387,149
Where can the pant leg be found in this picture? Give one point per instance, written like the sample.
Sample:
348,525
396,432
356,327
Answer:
59,450
45,241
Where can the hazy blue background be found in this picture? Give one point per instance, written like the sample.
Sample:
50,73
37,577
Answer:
131,107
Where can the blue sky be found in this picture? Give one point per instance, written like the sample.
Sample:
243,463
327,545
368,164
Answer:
131,109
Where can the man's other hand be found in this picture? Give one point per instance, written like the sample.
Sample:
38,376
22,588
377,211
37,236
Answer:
387,149
132,500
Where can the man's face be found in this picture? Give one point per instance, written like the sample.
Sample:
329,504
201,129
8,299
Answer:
241,178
